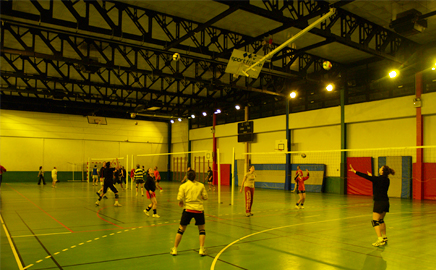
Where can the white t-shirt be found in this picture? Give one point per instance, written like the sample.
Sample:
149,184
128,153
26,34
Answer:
192,193
249,181
54,173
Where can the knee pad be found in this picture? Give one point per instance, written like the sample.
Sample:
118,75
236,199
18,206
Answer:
375,223
381,221
116,196
202,232
180,232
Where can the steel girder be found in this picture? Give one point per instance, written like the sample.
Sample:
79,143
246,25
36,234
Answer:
372,38
124,74
205,39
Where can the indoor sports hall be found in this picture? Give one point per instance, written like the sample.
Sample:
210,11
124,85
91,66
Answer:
295,134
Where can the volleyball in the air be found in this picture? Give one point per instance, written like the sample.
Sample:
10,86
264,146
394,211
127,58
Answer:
326,65
303,155
176,57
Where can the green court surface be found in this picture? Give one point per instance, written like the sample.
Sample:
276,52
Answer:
62,228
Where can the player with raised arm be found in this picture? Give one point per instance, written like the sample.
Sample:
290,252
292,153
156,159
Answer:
191,196
380,187
301,191
297,173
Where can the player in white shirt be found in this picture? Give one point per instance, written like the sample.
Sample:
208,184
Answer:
191,196
54,176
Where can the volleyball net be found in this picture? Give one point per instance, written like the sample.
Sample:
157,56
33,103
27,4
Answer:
325,169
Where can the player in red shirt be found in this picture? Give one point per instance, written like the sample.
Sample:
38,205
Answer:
2,170
301,191
157,178
297,173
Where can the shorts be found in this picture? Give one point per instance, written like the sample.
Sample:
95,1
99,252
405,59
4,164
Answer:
150,194
380,207
95,177
139,181
300,191
187,216
109,185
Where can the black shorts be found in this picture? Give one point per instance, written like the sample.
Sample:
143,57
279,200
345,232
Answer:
109,185
187,216
380,207
139,181
300,191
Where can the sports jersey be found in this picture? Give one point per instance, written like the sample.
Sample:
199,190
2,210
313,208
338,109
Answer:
94,171
156,175
380,186
108,174
192,193
249,180
209,175
54,173
300,181
139,174
150,185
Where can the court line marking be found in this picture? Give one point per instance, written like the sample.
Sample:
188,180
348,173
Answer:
14,251
42,234
272,229
41,209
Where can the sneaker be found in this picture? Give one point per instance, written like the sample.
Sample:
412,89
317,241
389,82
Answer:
161,190
117,204
156,216
379,242
247,215
97,203
301,207
297,207
385,239
202,252
251,214
147,213
173,251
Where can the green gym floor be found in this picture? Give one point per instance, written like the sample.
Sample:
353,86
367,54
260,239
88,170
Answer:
61,228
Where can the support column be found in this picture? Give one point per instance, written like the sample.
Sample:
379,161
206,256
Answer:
247,146
343,172
170,175
288,170
418,181
214,165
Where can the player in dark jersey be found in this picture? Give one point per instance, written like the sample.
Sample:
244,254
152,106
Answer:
101,174
109,183
210,178
150,187
380,187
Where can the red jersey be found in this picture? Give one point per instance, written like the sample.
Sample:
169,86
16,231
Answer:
132,173
299,172
2,169
300,180
156,175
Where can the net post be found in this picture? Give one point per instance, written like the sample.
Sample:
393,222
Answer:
219,175
127,170
87,170
233,177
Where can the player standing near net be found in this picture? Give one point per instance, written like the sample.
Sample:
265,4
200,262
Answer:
41,176
150,187
210,179
191,196
248,186
157,178
109,183
297,173
186,175
139,179
94,176
380,187
301,191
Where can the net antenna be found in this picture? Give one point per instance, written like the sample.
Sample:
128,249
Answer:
292,39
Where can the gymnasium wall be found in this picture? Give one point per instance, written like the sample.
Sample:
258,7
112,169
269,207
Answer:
32,139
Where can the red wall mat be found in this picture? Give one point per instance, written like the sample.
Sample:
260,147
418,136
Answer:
355,184
429,181
225,175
